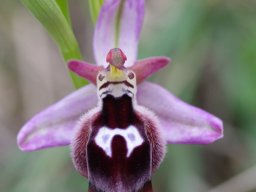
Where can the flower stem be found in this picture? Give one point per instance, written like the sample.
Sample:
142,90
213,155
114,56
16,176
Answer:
54,16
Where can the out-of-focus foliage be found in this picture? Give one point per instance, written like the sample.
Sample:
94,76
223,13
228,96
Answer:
54,16
95,6
213,47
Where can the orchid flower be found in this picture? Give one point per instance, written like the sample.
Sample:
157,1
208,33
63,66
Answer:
118,126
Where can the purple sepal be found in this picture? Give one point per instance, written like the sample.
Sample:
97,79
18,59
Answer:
179,121
55,125
119,25
146,67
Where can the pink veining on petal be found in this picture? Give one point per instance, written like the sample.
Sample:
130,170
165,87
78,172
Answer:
106,36
55,125
85,70
180,122
146,67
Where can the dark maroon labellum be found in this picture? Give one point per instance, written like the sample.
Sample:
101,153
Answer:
118,171
118,144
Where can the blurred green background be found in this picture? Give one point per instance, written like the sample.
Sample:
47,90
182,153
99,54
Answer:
213,47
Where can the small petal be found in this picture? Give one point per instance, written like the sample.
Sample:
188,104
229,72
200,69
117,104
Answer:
55,125
146,67
179,121
86,70
119,25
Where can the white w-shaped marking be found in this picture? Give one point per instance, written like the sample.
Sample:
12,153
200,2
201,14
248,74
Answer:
131,135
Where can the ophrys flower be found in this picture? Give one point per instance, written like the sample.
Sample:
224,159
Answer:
150,115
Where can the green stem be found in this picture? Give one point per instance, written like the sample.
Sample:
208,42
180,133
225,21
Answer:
63,4
56,21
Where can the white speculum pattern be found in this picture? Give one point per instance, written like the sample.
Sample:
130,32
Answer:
131,136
